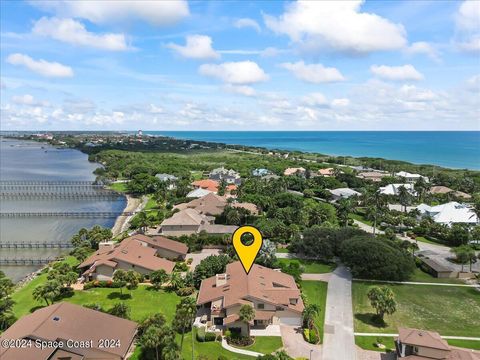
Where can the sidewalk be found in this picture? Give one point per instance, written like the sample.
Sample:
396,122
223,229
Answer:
416,283
239,351
443,337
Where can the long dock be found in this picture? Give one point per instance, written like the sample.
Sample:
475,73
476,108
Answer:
80,214
47,182
24,262
103,195
35,245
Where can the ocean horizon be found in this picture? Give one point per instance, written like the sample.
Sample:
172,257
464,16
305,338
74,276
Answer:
451,149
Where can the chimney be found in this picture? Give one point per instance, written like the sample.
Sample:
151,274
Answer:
106,245
221,279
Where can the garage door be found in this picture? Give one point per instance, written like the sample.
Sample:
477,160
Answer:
293,321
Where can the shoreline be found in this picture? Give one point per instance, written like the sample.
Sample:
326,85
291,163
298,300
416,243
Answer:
121,222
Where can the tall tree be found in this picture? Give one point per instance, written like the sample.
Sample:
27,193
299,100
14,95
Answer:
246,314
6,302
152,339
158,278
404,197
184,316
48,291
344,208
382,300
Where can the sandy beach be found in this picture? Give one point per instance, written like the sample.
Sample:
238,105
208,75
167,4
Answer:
133,205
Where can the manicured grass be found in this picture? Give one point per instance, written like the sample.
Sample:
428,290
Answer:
197,175
448,310
282,250
315,292
361,219
23,298
151,204
120,187
310,266
428,240
369,342
421,276
468,344
265,344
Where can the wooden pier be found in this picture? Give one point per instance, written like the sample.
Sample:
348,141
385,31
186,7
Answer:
25,262
79,214
24,195
35,245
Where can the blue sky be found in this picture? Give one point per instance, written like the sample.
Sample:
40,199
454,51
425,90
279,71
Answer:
262,65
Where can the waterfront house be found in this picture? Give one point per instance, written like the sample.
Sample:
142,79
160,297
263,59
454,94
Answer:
410,178
449,213
343,193
190,221
167,178
228,175
198,193
294,171
261,172
415,344
69,323
208,184
328,172
274,296
210,204
393,189
375,176
166,248
130,254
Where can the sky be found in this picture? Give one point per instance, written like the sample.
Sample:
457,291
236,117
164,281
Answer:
240,65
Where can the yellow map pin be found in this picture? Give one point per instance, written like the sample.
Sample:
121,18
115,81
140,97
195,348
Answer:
247,253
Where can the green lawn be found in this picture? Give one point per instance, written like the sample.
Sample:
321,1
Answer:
151,204
197,175
315,292
310,266
265,344
282,250
422,276
428,240
360,218
446,309
368,343
120,187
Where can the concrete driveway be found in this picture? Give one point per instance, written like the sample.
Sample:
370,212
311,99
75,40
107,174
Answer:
270,330
295,346
197,257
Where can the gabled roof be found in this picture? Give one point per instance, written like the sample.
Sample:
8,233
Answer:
424,338
163,243
344,192
393,189
197,193
186,217
261,283
291,171
132,252
210,204
448,213
206,184
68,321
247,206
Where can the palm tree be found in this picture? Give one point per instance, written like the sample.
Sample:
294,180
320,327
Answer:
176,280
152,339
375,205
344,209
309,313
142,221
48,291
184,316
246,314
157,278
421,187
404,197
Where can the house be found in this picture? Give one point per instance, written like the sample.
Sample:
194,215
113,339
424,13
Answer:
343,193
294,171
273,294
208,184
270,177
410,178
166,177
198,193
414,344
436,269
374,176
446,190
166,248
130,254
449,213
252,208
261,172
61,325
329,172
210,204
394,189
229,176
190,221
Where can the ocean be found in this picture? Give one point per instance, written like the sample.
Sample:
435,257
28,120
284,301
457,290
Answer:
27,160
452,149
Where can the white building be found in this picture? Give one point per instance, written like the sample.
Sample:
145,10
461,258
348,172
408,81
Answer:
198,193
343,193
410,178
449,213
393,189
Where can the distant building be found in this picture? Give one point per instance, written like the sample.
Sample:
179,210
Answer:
343,193
411,178
209,184
393,189
139,133
294,171
166,177
414,344
261,172
229,176
447,190
198,193
329,172
166,248
374,176
449,213
63,321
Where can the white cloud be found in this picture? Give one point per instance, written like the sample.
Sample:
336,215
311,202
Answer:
422,47
238,73
241,89
396,73
340,102
315,99
338,25
156,109
196,47
159,13
74,32
467,20
28,100
473,83
413,93
247,22
42,67
314,73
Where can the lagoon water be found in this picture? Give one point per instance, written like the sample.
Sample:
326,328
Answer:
453,149
26,160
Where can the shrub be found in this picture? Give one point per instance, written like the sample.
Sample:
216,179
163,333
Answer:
181,266
210,336
189,261
185,291
313,338
306,335
201,334
219,338
228,334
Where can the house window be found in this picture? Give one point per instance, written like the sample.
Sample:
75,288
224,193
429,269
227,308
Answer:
260,306
279,308
415,350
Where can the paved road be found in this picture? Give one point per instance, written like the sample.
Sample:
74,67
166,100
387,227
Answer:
296,346
443,337
339,340
197,257
414,283
317,277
